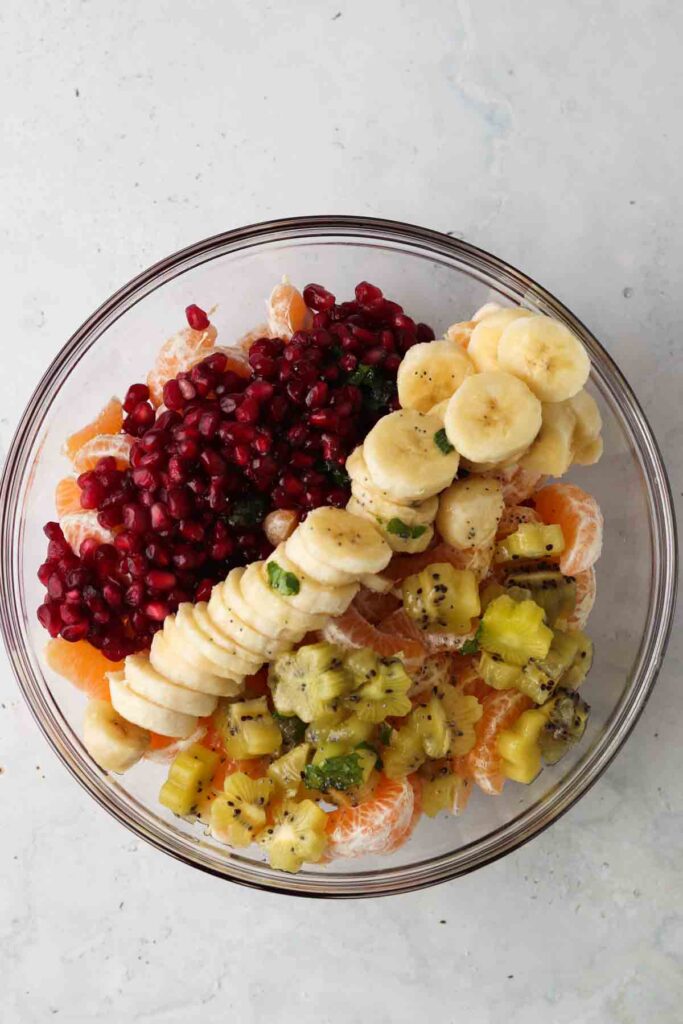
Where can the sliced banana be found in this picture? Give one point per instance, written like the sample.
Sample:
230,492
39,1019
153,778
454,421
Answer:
252,614
310,564
491,417
397,533
552,452
403,455
145,713
486,310
142,678
342,542
483,346
460,333
113,743
378,583
186,644
274,608
314,597
222,612
588,419
438,411
469,512
419,513
430,372
546,356
166,657
251,661
225,663
590,453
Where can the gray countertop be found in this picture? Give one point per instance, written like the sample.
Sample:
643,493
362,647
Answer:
547,133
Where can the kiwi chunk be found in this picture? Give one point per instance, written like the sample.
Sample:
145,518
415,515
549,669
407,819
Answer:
238,814
565,726
251,730
296,836
442,598
555,593
515,630
380,687
188,775
530,541
432,726
307,683
580,667
286,772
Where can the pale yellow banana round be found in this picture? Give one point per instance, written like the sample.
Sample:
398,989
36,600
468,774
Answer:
588,418
486,310
314,597
420,513
250,661
308,562
185,640
397,533
403,454
483,346
430,372
169,662
277,612
469,512
146,713
342,542
552,452
438,411
590,453
142,678
114,743
460,333
545,354
222,612
252,615
357,469
491,417
217,658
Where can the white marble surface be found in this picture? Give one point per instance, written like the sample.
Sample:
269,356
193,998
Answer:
547,132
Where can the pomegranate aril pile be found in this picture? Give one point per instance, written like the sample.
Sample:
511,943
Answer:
226,450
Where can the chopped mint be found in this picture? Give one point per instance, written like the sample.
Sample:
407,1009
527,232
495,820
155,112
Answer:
337,473
285,583
472,646
385,732
292,728
340,772
442,443
377,389
373,750
404,531
248,511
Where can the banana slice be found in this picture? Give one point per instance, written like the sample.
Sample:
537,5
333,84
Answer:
183,640
168,660
486,310
338,541
590,453
483,346
438,411
491,417
588,419
273,606
403,455
222,613
145,713
430,372
144,680
552,452
225,663
460,333
112,742
251,662
469,512
377,583
379,503
494,467
397,533
314,597
545,354
251,614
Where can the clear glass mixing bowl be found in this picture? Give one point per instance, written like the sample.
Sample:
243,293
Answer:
438,279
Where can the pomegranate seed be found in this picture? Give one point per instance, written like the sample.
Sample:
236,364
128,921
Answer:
325,418
157,610
76,631
78,577
337,496
209,423
318,395
187,558
158,553
374,356
215,363
291,485
277,409
197,485
249,411
348,362
203,591
213,463
134,595
136,565
197,318
112,594
109,518
179,502
159,517
146,479
191,530
44,572
264,366
301,460
88,547
176,470
72,614
153,440
392,363
55,587
106,466
187,389
142,415
157,579
216,495
136,518
50,619
188,450
135,394
127,542
261,390
318,298
241,454
166,420
262,444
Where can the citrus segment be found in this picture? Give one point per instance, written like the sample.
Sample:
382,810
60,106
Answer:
108,421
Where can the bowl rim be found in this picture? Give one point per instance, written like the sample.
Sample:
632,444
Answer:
514,833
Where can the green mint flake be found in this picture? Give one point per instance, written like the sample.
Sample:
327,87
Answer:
402,530
340,772
472,646
285,583
292,728
385,732
377,389
337,473
361,375
373,750
442,443
248,511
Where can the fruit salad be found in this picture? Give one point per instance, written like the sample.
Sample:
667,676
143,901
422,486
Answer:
323,571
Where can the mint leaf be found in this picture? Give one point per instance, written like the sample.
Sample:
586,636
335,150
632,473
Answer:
248,511
377,389
337,473
285,583
472,646
340,772
373,750
361,375
292,728
442,443
385,732
404,531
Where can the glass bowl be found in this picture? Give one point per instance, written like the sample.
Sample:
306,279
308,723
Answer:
438,279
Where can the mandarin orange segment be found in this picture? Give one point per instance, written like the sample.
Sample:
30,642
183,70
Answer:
585,599
287,311
67,496
177,354
83,665
100,447
352,630
108,421
377,825
579,515
77,526
482,764
513,517
374,606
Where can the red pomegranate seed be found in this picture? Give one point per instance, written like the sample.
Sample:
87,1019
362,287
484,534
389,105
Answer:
109,518
277,409
263,442
249,411
215,363
392,363
179,502
157,610
213,463
374,356
318,298
158,553
188,450
136,518
106,467
325,418
197,485
112,594
197,318
241,454
55,587
216,495
264,365
424,333
135,394
261,390
159,517
136,565
368,294
50,619
76,631
44,572
191,530
157,579
127,542
203,591
176,470
348,362
146,479
187,389
92,494
209,423
72,614
166,420
142,415
318,395
88,548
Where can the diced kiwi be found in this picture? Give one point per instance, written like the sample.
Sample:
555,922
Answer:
327,749
238,815
518,746
297,836
442,598
489,592
405,752
440,794
383,691
515,630
350,731
188,775
251,730
555,593
432,726
287,771
308,682
565,725
580,667
497,673
529,541
463,711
